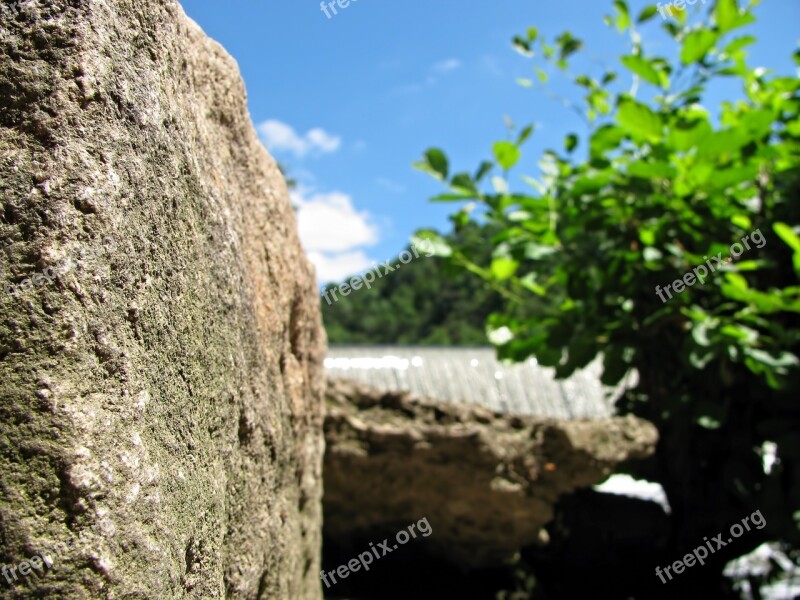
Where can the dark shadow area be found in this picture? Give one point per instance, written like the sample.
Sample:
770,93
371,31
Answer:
608,546
601,546
410,572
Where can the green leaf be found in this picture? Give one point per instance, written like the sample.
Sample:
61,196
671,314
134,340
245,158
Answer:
741,333
742,222
733,177
605,139
723,142
651,170
571,142
726,14
598,100
568,45
780,363
462,183
697,44
503,268
750,265
623,15
524,135
684,136
639,121
591,183
700,360
647,236
765,303
507,154
452,197
788,235
758,123
522,46
737,281
434,163
461,219
738,44
483,169
647,13
529,283
643,68
672,28
700,331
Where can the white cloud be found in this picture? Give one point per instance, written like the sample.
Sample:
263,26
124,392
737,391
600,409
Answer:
279,137
332,268
333,232
330,223
323,140
445,66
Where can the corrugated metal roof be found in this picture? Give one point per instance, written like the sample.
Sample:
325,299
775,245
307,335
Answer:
474,376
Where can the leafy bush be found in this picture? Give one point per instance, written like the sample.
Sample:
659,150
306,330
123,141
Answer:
659,185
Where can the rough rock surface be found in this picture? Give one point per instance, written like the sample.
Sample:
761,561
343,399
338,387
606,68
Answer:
486,482
161,388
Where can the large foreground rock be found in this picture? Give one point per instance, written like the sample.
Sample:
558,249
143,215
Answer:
160,385
486,482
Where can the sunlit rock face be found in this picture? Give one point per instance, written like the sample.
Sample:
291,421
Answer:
487,482
161,385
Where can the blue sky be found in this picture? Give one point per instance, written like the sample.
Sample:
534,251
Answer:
347,103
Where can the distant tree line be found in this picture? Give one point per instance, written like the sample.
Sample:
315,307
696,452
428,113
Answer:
428,303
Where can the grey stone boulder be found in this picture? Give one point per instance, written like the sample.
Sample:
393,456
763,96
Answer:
161,370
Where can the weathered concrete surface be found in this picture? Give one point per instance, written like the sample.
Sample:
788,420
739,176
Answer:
162,393
486,482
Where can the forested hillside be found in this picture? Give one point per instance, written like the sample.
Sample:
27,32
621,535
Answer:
426,302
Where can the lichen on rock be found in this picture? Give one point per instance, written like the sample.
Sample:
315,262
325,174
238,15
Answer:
162,395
